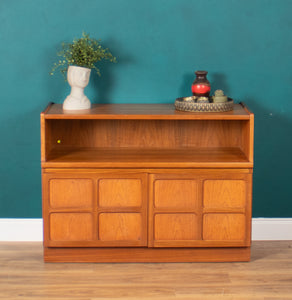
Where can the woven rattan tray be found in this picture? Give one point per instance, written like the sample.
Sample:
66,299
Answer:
188,104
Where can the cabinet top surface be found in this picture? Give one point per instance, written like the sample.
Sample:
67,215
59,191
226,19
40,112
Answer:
143,111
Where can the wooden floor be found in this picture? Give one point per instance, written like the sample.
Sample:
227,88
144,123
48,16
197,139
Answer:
24,275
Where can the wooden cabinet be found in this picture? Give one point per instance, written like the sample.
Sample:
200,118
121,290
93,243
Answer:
200,209
95,209
146,183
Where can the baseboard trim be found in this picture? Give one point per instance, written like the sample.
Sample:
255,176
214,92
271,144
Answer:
20,230
271,229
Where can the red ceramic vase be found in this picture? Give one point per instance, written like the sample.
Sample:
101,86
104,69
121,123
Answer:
201,86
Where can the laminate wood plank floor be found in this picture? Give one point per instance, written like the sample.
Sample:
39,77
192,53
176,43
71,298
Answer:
24,275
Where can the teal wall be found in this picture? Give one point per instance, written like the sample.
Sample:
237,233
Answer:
245,45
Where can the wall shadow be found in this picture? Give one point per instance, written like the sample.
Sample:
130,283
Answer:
273,163
57,87
104,86
219,82
185,89
20,176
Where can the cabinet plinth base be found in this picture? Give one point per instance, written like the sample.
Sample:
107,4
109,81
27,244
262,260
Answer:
147,254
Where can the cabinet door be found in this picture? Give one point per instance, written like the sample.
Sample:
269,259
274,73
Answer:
122,210
205,208
174,210
226,210
94,209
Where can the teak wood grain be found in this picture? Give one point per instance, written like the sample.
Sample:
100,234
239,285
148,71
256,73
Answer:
147,158
144,182
192,196
97,216
142,111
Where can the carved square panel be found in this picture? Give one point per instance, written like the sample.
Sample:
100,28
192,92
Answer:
120,226
224,193
176,226
175,193
71,227
224,227
120,192
71,193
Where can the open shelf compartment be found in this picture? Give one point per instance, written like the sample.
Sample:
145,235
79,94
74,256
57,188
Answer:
158,142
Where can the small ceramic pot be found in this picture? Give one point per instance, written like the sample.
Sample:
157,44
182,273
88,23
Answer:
219,97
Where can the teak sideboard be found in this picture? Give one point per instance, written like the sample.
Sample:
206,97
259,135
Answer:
146,183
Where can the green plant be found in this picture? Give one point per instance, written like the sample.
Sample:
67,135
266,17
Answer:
83,52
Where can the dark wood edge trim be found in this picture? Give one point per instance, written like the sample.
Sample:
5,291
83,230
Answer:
178,116
147,117
47,108
246,108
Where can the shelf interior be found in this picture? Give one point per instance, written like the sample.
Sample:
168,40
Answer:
137,143
106,157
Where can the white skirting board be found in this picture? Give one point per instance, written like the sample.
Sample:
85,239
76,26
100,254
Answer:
20,230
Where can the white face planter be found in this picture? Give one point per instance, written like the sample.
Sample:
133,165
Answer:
78,78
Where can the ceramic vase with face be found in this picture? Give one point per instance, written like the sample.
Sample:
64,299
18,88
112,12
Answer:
78,78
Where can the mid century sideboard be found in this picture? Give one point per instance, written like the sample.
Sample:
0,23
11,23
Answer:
146,183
